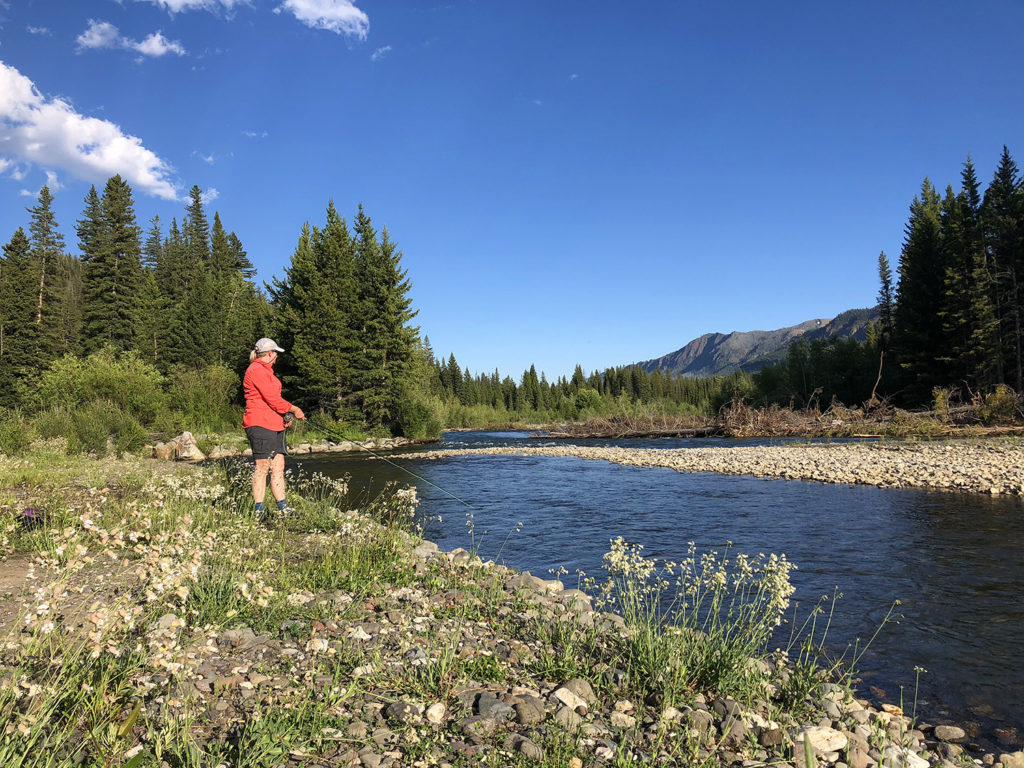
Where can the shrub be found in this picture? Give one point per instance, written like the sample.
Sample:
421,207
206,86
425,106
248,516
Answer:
14,438
416,419
123,379
1001,406
100,425
54,422
204,395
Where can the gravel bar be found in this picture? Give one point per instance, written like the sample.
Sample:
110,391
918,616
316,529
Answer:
993,466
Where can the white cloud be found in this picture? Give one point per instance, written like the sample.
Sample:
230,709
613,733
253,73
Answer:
39,30
27,193
50,133
4,164
52,181
380,53
209,195
19,173
339,16
255,134
99,34
156,45
103,34
177,6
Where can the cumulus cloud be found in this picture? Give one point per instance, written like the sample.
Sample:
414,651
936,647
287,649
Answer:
50,133
52,181
380,53
340,16
157,45
99,34
209,195
39,30
103,34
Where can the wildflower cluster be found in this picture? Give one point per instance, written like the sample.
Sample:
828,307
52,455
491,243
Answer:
698,620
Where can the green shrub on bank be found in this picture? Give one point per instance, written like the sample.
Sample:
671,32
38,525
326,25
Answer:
203,396
14,437
102,425
1003,406
121,378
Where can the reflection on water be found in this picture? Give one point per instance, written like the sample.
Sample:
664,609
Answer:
954,561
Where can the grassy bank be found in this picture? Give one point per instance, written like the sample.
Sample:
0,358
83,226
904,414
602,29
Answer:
150,622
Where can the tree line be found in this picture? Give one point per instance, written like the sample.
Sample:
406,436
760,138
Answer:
469,399
183,304
953,318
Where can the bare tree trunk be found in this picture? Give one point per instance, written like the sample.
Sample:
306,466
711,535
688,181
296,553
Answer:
881,360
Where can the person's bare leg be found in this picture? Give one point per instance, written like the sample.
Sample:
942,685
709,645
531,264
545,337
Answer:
277,476
259,479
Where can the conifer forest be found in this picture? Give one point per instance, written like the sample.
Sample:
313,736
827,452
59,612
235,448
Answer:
151,325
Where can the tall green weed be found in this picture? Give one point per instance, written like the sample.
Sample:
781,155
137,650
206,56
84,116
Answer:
14,437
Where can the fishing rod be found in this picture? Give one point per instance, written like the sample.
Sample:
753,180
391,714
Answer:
335,433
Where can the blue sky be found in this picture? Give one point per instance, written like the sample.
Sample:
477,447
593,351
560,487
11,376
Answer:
570,182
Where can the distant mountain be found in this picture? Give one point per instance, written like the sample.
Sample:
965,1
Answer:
723,353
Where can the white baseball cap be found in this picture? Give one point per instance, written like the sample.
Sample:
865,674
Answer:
266,345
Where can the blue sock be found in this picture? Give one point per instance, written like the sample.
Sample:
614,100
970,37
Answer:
259,507
281,505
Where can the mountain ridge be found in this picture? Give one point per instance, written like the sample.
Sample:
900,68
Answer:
717,354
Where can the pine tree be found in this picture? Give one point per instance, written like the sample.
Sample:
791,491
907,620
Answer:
113,279
222,261
385,340
312,313
886,300
153,246
1003,223
18,327
196,231
46,263
239,258
919,339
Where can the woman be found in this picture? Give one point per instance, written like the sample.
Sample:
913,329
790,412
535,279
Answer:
264,423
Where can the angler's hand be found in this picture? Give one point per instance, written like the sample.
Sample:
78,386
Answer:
298,413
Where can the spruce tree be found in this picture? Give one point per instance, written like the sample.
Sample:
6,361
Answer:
46,257
113,279
151,249
196,231
18,327
1003,223
919,339
313,308
385,340
240,258
886,300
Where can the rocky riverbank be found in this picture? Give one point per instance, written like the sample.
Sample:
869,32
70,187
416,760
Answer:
186,447
160,621
993,466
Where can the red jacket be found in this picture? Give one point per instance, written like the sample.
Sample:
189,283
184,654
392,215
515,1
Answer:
263,402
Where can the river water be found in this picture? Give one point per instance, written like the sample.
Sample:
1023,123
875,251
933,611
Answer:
954,561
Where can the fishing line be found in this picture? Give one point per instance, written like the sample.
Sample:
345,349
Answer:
319,424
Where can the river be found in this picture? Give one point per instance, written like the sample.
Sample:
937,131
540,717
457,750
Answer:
952,560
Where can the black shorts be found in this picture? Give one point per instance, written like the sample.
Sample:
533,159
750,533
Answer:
265,443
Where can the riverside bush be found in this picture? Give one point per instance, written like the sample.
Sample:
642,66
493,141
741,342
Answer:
203,397
102,425
14,438
1000,406
123,379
